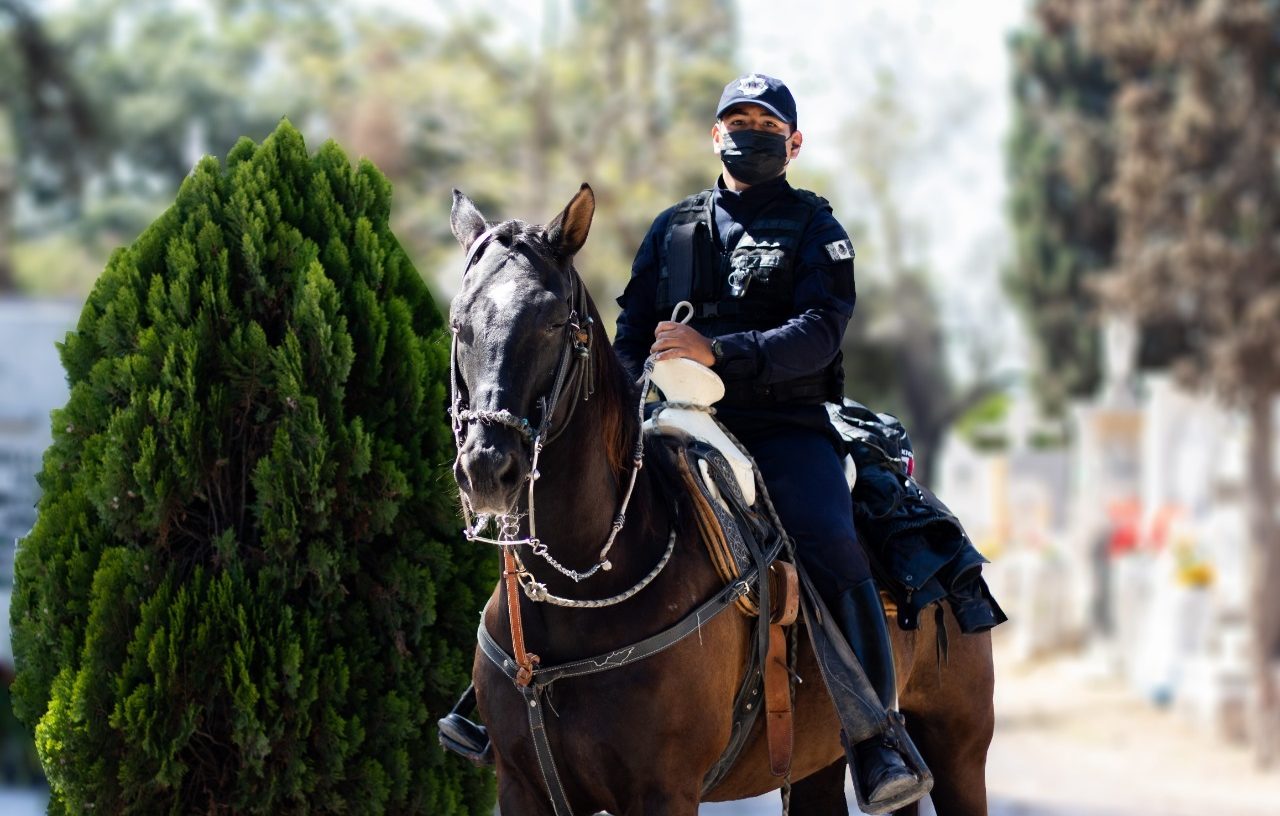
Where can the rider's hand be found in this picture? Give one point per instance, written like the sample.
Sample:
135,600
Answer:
673,340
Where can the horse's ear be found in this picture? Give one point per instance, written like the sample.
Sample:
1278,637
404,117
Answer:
568,232
465,220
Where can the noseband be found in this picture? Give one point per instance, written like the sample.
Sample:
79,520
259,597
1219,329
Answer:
575,353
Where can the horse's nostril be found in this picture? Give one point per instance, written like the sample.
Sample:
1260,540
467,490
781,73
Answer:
508,472
490,476
461,476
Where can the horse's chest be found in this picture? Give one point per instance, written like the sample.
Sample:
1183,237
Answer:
600,723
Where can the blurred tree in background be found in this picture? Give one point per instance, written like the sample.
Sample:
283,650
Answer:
1061,159
1062,171
896,345
245,591
1198,198
1144,182
48,130
163,84
174,81
620,93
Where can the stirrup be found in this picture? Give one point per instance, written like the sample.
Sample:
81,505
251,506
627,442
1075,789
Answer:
894,780
462,736
896,735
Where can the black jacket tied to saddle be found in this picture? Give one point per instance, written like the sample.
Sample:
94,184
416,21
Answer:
918,548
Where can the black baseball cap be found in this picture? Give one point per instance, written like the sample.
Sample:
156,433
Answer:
758,89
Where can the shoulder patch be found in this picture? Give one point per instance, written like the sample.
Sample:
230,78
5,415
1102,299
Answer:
839,250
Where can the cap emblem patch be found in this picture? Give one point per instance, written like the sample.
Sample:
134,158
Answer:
752,85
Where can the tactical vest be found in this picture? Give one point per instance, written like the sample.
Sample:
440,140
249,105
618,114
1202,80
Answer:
749,288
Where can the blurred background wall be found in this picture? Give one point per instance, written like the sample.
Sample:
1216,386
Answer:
1067,231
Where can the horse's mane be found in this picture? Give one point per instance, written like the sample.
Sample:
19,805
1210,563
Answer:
617,393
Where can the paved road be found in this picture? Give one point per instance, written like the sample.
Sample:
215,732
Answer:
1072,743
1069,740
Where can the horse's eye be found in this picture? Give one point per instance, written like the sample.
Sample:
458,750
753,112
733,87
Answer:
555,327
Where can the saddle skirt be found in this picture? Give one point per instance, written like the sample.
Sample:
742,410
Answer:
742,540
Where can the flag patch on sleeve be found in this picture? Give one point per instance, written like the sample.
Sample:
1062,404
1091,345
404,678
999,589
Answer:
839,250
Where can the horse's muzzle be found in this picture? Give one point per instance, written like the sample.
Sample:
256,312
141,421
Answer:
490,474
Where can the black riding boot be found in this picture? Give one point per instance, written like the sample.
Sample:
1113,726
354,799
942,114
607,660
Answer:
883,775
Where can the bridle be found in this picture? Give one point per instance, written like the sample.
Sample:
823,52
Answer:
575,360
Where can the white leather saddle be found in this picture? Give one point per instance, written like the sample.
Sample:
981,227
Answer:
684,381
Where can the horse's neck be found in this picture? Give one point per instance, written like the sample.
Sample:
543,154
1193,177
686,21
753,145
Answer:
577,491
577,496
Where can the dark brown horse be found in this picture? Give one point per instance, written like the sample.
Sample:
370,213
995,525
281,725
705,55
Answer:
533,372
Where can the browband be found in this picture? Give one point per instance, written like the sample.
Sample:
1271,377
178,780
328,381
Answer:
478,244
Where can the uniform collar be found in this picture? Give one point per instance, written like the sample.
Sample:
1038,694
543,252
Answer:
754,193
753,197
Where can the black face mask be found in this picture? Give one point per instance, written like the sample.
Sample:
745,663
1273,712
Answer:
753,156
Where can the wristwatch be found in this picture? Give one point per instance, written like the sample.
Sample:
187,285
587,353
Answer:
717,351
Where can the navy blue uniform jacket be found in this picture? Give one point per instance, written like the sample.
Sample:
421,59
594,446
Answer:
808,341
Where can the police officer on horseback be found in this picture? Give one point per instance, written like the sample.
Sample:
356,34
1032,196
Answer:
769,272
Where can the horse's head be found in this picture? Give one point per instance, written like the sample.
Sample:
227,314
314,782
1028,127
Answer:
518,321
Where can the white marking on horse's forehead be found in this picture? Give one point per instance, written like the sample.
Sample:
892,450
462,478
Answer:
503,295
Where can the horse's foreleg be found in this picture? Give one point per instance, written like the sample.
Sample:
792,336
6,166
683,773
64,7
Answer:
519,802
821,793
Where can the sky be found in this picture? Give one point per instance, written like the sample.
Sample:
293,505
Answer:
950,60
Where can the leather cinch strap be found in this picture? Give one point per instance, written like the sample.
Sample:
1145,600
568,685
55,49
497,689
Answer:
777,683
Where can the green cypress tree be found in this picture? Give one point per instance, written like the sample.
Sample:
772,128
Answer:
245,592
